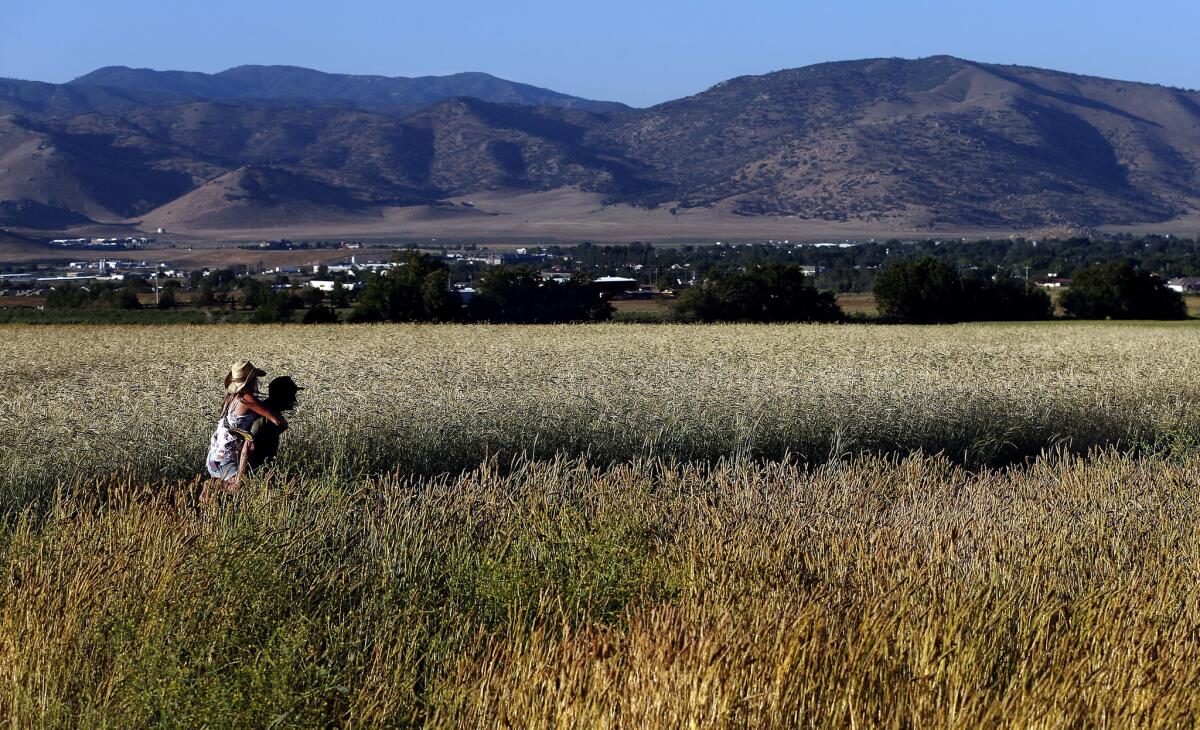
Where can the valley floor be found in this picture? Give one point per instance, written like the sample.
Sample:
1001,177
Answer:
571,215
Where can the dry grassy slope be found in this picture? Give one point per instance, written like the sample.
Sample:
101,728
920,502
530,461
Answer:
251,193
33,170
374,157
354,161
99,166
938,140
479,146
12,244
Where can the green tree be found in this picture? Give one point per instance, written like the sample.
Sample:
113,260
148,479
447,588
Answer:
767,293
1116,290
339,296
254,293
68,297
319,314
416,290
276,306
519,295
992,299
311,296
123,298
925,290
206,295
166,297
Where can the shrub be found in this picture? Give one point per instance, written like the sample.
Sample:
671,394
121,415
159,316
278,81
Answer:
276,306
518,294
1116,290
166,297
1003,299
922,291
927,291
770,293
319,314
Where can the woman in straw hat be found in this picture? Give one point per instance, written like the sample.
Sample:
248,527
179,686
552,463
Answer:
229,448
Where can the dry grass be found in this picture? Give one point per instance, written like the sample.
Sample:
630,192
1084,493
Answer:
644,310
1193,305
858,304
877,592
664,554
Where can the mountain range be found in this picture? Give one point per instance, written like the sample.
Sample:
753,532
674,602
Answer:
925,144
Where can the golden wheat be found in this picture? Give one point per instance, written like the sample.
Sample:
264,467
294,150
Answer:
429,399
656,527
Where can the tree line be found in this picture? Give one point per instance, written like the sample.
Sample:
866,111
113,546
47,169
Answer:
419,291
928,290
923,290
855,267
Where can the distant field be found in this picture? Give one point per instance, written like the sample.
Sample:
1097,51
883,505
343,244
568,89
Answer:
21,302
647,310
611,525
858,304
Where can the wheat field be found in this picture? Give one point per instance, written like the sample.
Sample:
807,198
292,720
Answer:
609,526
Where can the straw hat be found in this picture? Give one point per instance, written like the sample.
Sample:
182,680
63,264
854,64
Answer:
242,376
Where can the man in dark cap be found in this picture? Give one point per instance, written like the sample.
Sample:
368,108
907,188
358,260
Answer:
281,396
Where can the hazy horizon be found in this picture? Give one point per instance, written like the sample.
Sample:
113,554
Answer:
626,52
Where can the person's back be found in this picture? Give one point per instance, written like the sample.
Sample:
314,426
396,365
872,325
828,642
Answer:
281,397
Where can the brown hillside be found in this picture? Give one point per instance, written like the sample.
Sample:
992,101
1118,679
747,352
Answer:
253,195
933,141
883,144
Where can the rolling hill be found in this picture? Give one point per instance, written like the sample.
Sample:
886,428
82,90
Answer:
894,144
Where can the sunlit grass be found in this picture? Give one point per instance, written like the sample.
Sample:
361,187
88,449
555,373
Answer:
426,399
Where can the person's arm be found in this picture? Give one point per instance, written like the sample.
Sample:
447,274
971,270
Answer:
253,404
244,460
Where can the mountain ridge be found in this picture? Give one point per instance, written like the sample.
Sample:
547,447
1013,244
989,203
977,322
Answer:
917,144
391,94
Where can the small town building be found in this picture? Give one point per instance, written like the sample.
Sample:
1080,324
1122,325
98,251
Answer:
1185,284
615,284
1055,283
329,284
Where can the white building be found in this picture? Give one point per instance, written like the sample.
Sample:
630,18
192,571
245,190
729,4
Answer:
329,284
615,280
1184,284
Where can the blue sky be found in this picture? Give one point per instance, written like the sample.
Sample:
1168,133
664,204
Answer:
637,52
